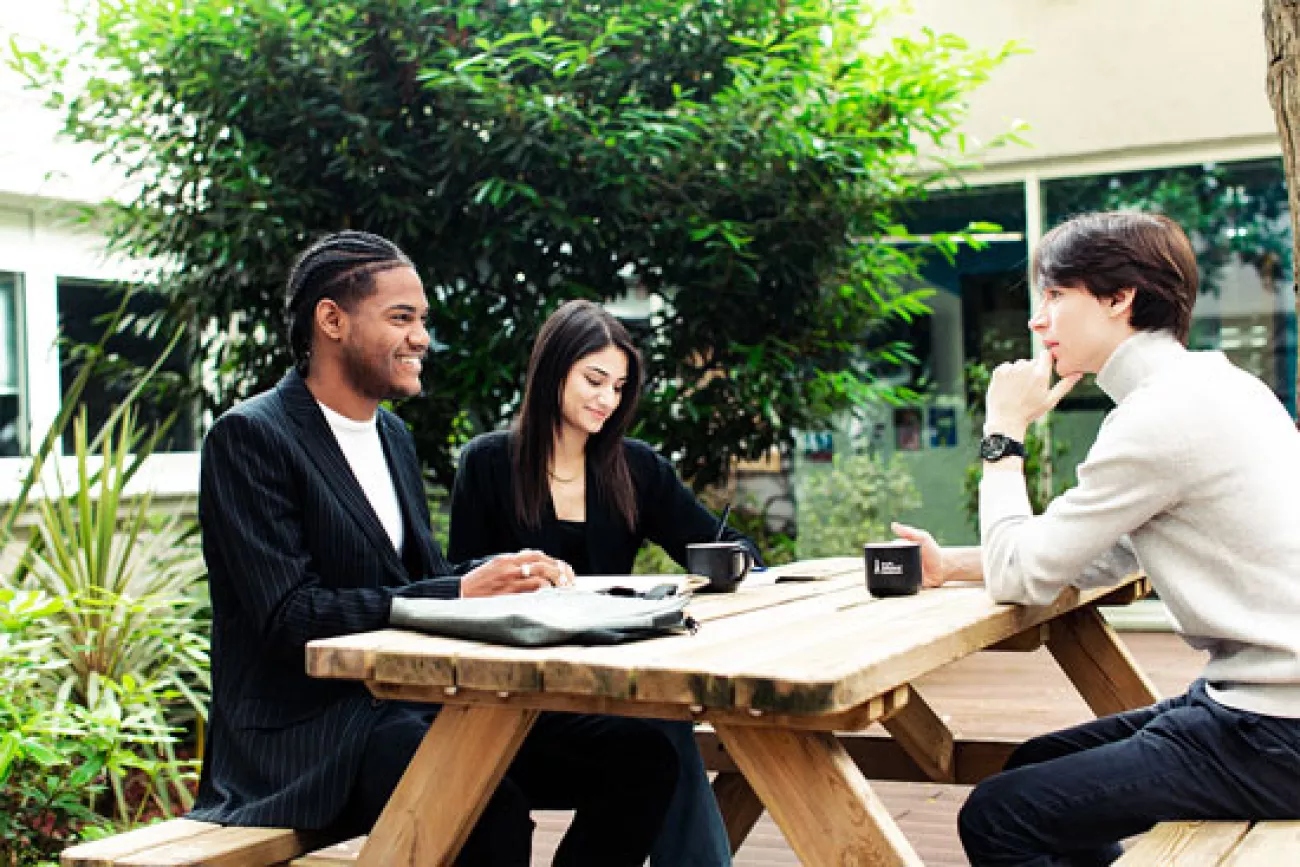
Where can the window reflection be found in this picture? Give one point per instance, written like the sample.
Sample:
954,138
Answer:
1236,215
11,375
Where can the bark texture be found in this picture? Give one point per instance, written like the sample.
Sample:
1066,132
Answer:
1282,38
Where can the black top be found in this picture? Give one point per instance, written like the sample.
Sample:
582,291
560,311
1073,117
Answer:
483,518
572,536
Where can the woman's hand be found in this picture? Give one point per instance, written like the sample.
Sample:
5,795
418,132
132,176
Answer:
516,573
1020,392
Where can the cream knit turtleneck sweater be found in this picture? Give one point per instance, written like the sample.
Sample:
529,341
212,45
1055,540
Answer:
1195,479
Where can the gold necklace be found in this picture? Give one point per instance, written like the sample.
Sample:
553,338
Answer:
561,479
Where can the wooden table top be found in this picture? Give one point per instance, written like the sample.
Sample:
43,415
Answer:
775,646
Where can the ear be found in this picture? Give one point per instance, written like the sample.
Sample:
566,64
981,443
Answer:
1121,303
331,319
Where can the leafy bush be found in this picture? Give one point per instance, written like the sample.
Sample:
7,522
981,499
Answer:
130,630
739,161
57,756
851,503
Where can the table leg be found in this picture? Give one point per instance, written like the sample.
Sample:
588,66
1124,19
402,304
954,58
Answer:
1098,664
925,738
445,788
739,804
818,797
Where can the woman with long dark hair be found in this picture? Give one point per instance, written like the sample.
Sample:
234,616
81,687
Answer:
566,480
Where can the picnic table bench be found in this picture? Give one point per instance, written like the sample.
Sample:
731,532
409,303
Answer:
1216,844
782,679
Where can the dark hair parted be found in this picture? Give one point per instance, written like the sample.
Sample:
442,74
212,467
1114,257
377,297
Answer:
574,331
1107,252
339,267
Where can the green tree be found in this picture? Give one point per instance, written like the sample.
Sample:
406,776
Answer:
738,160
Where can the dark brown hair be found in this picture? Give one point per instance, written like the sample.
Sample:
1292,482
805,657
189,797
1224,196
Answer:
573,332
1108,252
340,267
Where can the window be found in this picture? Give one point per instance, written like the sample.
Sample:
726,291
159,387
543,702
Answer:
1236,215
981,305
83,305
13,427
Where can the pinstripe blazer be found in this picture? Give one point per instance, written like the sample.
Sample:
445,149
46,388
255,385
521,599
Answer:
295,552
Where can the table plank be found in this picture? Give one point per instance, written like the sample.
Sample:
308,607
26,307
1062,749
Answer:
838,649
863,653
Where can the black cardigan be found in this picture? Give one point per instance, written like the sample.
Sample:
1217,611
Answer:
483,518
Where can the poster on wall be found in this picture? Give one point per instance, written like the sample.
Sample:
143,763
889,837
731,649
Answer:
818,446
907,429
943,427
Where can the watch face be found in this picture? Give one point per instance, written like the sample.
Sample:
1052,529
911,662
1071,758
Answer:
992,446
995,447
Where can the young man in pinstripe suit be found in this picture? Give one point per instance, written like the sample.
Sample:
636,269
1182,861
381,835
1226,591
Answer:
314,520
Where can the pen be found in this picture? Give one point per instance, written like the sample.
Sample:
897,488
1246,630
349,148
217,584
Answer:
722,522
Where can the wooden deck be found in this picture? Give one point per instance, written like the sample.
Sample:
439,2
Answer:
1044,700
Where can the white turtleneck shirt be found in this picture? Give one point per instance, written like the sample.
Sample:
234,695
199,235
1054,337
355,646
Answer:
1195,478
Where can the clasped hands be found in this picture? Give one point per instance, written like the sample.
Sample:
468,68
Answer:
523,572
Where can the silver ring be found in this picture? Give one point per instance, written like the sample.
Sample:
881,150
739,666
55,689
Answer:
525,568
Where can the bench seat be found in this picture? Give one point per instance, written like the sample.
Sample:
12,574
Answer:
1216,844
339,855
187,843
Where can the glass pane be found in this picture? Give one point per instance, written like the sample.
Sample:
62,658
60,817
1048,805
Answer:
10,369
82,307
980,314
1236,215
981,306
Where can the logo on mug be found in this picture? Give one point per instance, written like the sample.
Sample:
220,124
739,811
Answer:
884,567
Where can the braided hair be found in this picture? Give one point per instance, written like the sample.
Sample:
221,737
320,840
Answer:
339,267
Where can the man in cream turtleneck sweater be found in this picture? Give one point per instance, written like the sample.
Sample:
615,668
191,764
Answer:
1195,479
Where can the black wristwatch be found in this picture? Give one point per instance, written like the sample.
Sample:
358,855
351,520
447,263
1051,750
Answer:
995,447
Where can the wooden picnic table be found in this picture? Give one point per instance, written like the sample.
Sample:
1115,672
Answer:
795,655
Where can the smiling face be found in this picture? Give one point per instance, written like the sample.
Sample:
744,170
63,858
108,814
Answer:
384,337
1079,329
593,389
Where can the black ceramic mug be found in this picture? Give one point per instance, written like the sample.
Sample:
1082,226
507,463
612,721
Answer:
725,564
893,568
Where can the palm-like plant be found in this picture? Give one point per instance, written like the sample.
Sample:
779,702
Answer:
131,581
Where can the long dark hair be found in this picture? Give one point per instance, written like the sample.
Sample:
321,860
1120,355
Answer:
341,267
573,332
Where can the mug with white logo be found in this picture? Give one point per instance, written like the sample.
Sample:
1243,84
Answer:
893,568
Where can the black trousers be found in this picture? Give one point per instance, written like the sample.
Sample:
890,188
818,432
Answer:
1068,798
617,774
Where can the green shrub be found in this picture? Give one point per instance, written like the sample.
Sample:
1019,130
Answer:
130,633
58,756
851,503
747,516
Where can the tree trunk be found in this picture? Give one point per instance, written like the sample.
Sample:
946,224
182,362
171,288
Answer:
1282,37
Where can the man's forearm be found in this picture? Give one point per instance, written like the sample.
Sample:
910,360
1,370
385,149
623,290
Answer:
962,564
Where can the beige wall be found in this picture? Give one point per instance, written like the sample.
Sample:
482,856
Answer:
1117,81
